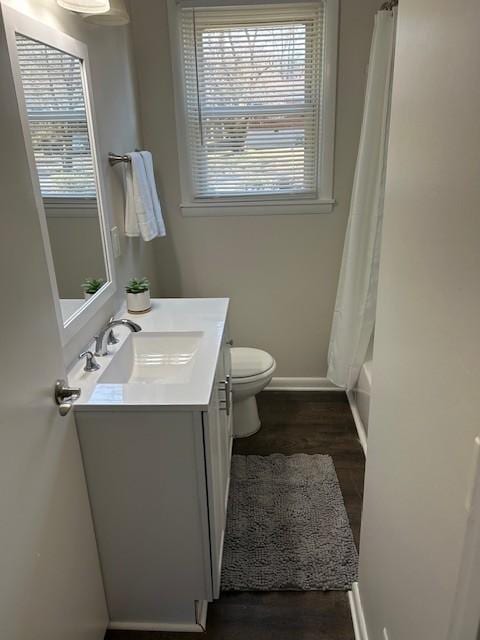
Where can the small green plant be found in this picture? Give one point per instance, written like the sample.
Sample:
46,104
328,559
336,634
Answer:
137,285
92,285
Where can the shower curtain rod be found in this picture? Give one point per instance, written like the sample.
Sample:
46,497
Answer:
388,6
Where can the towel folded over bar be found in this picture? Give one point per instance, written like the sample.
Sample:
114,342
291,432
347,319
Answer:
143,213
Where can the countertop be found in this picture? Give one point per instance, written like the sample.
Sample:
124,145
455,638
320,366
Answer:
206,315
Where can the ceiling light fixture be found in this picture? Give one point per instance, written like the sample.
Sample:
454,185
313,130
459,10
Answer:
115,17
85,6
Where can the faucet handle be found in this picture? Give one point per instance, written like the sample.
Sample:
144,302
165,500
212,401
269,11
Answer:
91,363
112,338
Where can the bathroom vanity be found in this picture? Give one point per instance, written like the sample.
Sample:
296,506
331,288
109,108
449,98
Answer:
155,428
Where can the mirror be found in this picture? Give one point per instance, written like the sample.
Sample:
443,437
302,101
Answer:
56,102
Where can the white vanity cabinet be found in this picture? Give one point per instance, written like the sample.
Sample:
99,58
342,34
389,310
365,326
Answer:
158,481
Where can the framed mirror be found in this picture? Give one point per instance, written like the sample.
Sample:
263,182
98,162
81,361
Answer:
52,79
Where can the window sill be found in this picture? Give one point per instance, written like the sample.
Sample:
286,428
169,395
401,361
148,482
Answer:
292,207
71,207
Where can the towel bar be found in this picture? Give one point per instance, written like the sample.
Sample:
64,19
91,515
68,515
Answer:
114,158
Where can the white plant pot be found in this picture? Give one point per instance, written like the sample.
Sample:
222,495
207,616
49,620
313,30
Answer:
138,302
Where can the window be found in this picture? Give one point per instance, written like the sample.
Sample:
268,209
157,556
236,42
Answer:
256,88
53,88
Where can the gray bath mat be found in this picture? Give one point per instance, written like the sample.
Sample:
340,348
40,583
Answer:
287,528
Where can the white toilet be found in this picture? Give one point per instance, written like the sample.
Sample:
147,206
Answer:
252,370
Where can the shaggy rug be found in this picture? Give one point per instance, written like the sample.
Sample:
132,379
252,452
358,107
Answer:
287,528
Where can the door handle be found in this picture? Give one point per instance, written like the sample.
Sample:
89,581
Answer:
65,396
228,394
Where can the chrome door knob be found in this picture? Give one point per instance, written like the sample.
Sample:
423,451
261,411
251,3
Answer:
65,396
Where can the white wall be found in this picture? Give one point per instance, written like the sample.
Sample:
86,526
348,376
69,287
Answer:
113,88
77,251
424,412
280,271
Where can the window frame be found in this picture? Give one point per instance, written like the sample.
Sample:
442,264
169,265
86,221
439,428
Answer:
263,204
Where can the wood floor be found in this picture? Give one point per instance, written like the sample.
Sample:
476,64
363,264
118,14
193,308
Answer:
292,422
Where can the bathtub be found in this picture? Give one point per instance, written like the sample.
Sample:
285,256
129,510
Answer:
359,399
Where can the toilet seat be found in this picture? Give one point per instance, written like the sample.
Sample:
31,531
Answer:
250,364
239,382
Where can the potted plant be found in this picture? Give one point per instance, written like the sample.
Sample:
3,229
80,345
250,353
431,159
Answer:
138,295
91,286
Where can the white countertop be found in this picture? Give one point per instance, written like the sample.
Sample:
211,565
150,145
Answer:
206,315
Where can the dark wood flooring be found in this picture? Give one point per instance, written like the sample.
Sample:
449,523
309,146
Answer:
292,422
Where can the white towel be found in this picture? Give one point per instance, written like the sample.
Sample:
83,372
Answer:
143,214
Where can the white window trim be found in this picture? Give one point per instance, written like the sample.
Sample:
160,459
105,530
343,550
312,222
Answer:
62,207
325,202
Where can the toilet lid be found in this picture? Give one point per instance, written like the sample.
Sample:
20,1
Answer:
248,362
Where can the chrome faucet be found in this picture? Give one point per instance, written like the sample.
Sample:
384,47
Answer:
102,338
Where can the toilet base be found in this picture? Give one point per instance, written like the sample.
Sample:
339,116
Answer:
246,421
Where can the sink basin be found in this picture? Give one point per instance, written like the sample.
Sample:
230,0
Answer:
146,358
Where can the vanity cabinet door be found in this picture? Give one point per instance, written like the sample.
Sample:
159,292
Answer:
217,425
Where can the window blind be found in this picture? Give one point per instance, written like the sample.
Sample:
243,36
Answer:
252,86
53,90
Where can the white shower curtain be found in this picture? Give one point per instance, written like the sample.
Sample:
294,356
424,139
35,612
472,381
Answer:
354,317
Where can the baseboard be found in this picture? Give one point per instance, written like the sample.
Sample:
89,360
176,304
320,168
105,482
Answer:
362,434
159,626
201,607
358,618
302,384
